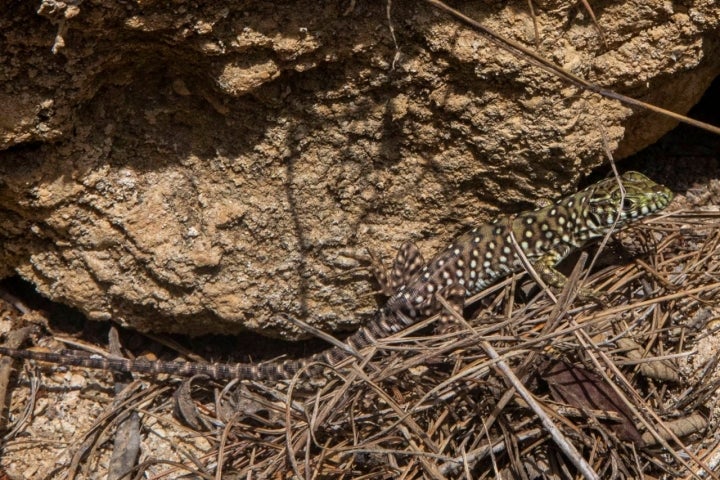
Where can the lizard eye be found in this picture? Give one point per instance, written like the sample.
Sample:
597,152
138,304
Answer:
627,204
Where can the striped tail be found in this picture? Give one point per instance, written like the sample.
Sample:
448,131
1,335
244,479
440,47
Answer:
386,323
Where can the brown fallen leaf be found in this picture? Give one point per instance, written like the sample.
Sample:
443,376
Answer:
583,389
662,370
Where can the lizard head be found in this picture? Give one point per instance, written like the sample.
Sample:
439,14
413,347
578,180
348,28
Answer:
606,204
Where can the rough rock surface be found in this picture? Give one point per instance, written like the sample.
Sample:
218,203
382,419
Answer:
196,168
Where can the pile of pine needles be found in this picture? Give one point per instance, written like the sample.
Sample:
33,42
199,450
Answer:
529,384
551,388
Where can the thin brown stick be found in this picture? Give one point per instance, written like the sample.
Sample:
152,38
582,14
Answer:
560,440
533,58
589,9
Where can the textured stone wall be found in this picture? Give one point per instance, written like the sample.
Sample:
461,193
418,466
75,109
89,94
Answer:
196,167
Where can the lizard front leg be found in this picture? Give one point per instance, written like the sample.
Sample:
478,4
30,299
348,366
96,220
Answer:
545,268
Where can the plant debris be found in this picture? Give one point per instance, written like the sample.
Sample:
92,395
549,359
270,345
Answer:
428,404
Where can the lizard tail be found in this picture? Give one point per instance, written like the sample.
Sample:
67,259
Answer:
216,371
383,325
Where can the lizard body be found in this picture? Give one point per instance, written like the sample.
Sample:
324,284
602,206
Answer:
471,263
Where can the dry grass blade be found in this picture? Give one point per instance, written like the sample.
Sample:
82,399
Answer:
535,22
325,336
590,11
27,411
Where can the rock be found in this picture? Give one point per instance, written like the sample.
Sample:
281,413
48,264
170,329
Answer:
203,169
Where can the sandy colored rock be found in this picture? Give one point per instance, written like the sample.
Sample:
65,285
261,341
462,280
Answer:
205,169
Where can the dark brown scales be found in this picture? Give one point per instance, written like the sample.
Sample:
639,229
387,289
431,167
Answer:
267,371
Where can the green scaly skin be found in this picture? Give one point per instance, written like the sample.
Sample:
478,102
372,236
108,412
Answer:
474,261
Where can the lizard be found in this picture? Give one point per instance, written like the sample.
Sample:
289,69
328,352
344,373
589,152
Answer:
475,260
